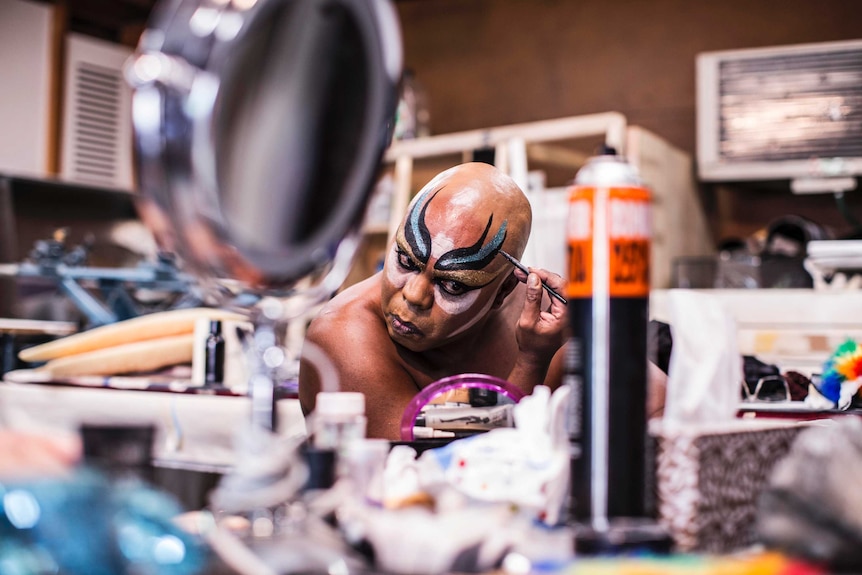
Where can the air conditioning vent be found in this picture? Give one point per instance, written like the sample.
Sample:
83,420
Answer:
96,118
792,107
97,127
784,112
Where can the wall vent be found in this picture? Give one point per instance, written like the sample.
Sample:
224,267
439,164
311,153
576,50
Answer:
780,113
97,130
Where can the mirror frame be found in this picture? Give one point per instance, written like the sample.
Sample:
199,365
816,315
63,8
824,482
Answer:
460,381
176,73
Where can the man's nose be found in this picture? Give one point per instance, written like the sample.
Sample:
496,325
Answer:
418,291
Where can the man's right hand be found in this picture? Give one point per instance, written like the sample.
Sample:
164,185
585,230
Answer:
540,331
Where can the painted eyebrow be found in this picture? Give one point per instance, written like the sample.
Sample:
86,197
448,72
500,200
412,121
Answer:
415,231
478,278
477,256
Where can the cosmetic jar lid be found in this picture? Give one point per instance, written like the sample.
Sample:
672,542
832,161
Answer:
340,403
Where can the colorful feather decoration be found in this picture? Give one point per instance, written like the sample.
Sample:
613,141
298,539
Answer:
844,365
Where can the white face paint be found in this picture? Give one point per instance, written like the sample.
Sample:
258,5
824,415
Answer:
440,244
453,305
472,296
395,274
466,199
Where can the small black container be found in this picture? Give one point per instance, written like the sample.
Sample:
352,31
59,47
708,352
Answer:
214,356
120,451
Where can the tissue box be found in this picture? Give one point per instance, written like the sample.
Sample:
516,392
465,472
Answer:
709,479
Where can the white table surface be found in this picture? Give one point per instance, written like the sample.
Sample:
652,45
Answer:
192,431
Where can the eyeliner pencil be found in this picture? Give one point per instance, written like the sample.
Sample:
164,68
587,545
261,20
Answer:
523,268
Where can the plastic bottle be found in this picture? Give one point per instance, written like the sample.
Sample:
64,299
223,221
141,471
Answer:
339,419
338,423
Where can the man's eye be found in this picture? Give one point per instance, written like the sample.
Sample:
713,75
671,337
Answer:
406,262
452,287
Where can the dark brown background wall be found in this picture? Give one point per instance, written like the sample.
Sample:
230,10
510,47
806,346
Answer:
495,62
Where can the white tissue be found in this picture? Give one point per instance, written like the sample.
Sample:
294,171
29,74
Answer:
526,466
418,541
705,372
487,492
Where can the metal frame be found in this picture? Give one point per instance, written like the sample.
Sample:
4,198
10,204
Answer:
510,142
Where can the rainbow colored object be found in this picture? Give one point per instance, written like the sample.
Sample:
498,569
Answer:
766,563
845,364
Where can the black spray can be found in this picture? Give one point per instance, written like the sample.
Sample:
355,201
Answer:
608,236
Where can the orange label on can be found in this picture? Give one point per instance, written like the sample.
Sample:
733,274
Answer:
608,235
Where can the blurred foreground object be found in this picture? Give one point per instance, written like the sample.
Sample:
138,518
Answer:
463,506
710,477
101,517
25,455
811,508
609,237
259,130
84,524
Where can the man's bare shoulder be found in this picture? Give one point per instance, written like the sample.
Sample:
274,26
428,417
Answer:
353,316
350,336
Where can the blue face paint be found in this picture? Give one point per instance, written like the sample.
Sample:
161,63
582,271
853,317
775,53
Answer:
416,233
474,257
477,256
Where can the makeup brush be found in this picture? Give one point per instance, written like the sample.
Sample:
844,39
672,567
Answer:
524,269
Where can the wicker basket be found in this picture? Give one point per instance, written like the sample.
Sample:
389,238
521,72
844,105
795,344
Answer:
709,479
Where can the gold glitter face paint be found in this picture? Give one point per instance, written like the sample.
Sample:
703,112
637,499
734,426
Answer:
472,279
449,303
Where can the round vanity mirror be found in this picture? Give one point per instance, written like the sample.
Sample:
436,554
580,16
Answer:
460,406
259,129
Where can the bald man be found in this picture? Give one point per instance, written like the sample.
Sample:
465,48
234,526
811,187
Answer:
446,302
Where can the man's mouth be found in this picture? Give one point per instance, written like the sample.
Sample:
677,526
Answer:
402,327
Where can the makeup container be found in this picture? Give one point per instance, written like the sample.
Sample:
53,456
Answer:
214,355
339,419
338,423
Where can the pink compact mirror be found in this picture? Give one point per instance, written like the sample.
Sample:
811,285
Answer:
459,406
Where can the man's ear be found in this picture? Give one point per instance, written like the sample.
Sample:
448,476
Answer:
508,285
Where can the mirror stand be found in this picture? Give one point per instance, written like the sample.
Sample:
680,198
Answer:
270,464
